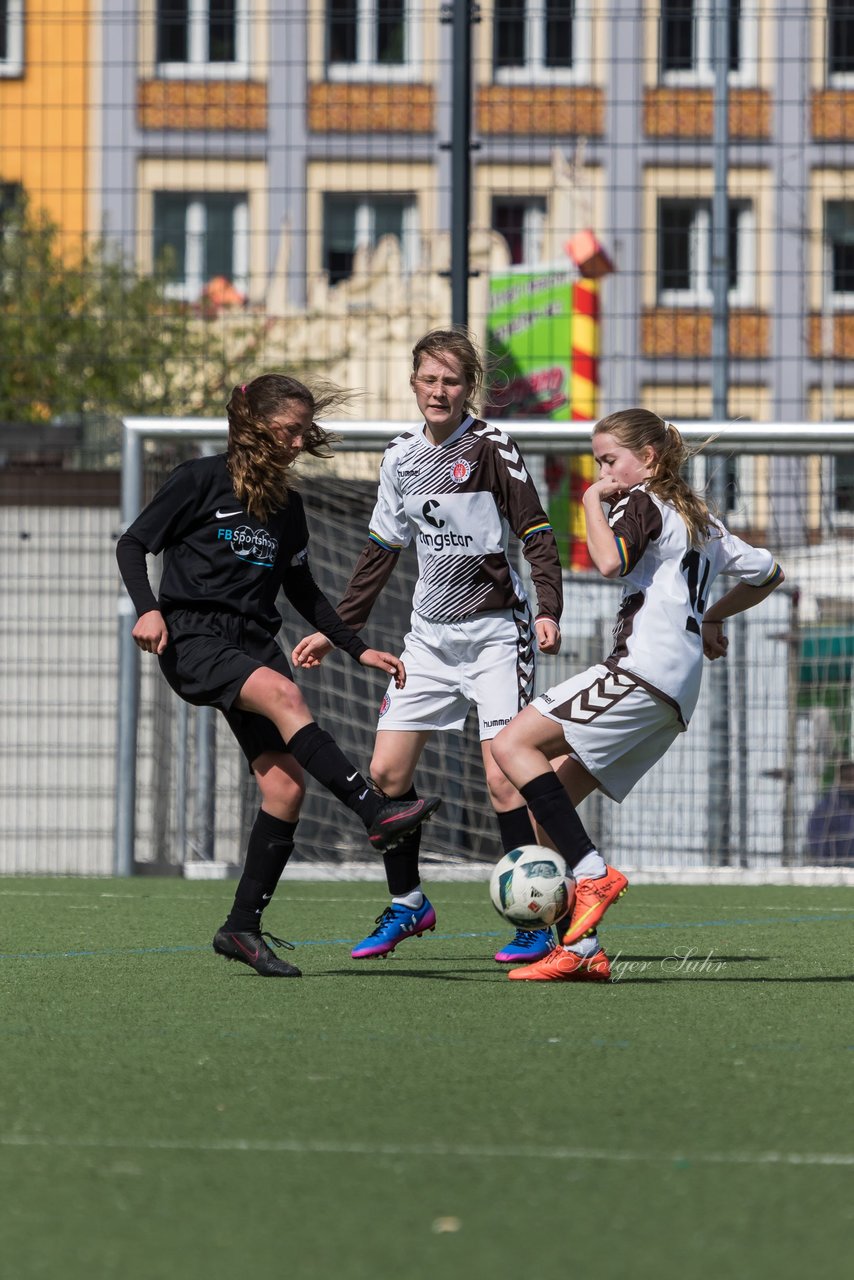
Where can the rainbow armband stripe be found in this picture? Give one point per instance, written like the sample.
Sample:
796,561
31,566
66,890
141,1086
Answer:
623,552
542,527
775,573
381,542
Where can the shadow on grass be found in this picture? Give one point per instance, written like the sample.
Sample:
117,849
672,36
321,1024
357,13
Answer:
442,975
702,977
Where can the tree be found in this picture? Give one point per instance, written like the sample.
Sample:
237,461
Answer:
92,335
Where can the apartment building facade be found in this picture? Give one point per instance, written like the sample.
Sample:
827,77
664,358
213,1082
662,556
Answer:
274,146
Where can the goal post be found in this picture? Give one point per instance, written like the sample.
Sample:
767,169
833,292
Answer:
183,792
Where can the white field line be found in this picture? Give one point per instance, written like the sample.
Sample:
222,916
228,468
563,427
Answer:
443,1151
304,896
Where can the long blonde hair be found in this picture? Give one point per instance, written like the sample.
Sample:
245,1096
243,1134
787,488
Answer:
638,429
261,473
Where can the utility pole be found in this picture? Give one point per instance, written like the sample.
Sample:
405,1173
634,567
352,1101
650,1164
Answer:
720,799
461,14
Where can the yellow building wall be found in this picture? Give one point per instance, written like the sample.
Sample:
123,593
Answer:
44,120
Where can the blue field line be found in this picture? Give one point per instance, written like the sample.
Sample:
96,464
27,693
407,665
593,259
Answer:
838,918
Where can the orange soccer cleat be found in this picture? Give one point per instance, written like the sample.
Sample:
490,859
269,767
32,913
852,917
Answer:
592,900
561,965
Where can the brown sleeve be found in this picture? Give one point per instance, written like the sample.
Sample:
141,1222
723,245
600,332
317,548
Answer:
517,496
636,521
373,570
540,550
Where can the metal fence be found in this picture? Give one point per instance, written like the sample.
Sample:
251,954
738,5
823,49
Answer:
76,697
787,702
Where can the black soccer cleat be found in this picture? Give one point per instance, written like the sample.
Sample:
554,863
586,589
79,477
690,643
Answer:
397,818
251,949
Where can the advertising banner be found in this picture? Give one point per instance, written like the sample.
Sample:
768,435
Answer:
530,344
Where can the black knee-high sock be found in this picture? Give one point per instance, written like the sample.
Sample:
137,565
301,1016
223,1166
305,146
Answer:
548,801
516,828
271,843
401,867
319,754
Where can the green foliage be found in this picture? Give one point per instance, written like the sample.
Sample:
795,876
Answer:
91,335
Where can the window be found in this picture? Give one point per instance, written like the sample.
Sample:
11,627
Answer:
202,37
839,251
11,37
686,33
366,37
843,484
840,38
685,252
199,236
520,221
11,200
540,39
354,222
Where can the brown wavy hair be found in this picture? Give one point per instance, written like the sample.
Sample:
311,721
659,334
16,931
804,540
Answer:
638,429
454,342
259,467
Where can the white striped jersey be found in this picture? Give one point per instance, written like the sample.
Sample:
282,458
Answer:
657,637
459,501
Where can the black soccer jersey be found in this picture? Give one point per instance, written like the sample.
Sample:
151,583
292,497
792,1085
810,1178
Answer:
460,500
217,558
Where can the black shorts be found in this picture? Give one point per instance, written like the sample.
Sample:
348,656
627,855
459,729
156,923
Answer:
207,661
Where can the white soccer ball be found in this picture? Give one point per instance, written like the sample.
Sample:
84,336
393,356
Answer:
531,887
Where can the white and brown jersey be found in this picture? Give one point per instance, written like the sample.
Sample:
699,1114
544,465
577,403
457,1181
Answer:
657,635
459,501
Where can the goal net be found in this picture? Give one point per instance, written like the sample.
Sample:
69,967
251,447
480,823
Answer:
737,789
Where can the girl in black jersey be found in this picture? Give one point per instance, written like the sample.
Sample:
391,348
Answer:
233,531
620,716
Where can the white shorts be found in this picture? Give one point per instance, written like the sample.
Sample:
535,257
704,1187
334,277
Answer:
615,727
487,662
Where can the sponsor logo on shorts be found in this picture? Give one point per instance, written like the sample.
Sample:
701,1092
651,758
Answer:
495,724
384,705
460,471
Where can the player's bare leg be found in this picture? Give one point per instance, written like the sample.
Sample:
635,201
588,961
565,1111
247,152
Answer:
270,694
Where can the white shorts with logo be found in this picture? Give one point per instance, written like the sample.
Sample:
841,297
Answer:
487,661
615,727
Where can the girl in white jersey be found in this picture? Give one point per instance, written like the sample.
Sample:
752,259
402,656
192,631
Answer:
619,717
458,488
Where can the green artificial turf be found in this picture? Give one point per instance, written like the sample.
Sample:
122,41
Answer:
166,1114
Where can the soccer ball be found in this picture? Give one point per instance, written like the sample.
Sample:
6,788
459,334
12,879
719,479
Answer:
531,887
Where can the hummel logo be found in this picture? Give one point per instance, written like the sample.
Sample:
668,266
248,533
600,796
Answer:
223,515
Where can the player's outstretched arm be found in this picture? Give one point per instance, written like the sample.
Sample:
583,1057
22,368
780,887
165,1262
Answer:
741,597
311,650
385,662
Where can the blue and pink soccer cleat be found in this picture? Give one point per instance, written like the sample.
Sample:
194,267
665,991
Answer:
527,946
394,925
